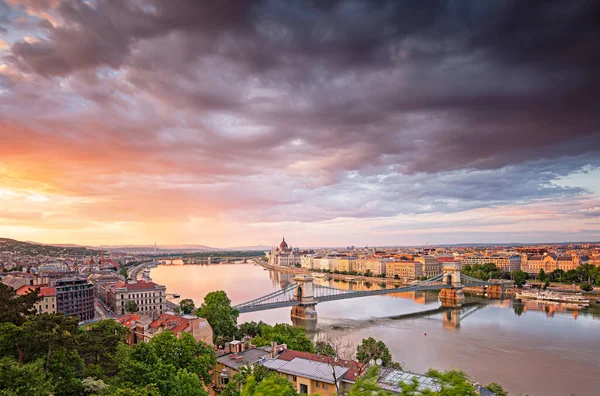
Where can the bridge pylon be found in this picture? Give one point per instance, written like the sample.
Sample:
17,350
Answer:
452,295
305,294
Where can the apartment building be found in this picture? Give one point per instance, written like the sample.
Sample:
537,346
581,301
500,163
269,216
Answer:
143,328
406,270
504,263
431,265
374,266
150,297
75,297
47,303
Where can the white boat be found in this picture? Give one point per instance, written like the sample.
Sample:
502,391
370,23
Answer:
318,275
574,298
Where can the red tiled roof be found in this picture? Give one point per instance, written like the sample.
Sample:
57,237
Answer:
128,320
47,291
174,323
44,291
25,289
353,366
446,259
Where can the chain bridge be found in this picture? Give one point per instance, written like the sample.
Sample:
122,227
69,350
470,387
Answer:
303,295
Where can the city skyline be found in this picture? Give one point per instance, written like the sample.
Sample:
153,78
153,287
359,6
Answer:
336,123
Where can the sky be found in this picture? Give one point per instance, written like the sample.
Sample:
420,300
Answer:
334,123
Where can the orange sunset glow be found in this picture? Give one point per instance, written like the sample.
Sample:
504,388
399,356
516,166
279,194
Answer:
125,123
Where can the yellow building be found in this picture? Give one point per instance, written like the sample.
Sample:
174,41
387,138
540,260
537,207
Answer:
47,304
346,264
407,270
314,374
375,266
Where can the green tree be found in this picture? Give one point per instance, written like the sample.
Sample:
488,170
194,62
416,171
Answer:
234,386
453,383
251,329
556,275
98,346
324,348
16,309
272,385
571,276
123,273
92,386
497,389
185,353
217,309
187,306
371,349
23,379
586,287
519,277
367,385
282,333
131,306
542,275
51,332
149,390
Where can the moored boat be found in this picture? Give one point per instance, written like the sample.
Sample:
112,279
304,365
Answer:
573,298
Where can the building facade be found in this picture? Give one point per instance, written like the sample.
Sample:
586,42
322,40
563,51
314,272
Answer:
431,265
75,297
406,270
47,303
504,263
143,328
151,298
284,256
549,262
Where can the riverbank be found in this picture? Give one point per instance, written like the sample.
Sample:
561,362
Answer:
333,276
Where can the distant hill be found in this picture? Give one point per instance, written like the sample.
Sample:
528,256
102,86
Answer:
34,248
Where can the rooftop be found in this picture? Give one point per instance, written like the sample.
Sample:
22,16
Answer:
315,370
390,379
232,360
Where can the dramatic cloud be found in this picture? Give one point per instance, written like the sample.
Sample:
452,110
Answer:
272,115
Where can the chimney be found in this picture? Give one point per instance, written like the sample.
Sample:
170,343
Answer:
273,349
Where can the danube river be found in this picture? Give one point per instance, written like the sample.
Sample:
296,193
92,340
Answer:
540,350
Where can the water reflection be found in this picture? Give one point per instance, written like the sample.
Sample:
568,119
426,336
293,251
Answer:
498,340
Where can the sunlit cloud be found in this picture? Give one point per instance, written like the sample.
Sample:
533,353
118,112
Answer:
234,123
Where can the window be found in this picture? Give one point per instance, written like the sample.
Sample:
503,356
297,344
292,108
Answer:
317,384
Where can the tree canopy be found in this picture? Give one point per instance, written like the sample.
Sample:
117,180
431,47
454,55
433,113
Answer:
282,333
187,306
217,309
14,308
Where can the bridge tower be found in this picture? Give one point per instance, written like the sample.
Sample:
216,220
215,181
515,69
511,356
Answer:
305,294
451,295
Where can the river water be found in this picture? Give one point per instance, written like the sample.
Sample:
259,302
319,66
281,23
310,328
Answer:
531,348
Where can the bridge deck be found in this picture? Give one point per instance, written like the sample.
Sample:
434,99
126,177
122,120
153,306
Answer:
325,293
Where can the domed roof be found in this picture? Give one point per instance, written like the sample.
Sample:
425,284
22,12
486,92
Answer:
283,245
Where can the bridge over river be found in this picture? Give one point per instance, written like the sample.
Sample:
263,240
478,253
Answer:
303,295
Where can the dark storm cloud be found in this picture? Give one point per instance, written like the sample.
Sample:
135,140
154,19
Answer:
455,105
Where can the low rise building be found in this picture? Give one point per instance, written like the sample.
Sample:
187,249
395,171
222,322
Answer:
406,270
150,298
310,373
143,328
47,295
